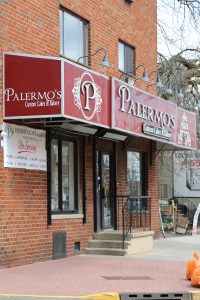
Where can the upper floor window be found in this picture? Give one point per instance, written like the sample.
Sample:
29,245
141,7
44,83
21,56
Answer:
125,57
73,36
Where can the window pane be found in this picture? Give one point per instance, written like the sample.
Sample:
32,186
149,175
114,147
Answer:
68,176
134,173
121,56
73,37
125,57
129,56
54,175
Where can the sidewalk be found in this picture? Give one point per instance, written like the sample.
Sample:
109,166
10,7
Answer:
161,270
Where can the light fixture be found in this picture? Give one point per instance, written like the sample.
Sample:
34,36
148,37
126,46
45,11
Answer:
114,136
133,74
180,92
104,62
144,76
197,106
169,88
158,82
79,128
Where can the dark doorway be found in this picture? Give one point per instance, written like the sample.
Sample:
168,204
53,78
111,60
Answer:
104,190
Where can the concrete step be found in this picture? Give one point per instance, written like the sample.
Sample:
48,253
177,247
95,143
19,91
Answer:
112,244
105,251
113,235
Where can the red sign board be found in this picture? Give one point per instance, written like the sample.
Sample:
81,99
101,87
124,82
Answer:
86,95
137,112
33,89
32,86
186,128
37,86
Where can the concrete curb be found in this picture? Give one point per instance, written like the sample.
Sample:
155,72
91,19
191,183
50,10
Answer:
195,295
158,296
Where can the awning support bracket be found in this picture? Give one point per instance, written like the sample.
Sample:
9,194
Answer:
126,143
100,132
157,152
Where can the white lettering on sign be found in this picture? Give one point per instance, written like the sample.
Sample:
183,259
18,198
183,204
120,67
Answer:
184,137
91,92
24,147
86,87
11,95
143,111
34,99
156,131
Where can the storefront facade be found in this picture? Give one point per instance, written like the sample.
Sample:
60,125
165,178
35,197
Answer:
77,141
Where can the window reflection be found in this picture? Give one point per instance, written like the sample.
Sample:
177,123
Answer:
73,36
125,57
62,176
134,173
54,174
67,176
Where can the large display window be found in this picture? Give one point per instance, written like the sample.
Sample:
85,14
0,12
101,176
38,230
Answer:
134,173
63,176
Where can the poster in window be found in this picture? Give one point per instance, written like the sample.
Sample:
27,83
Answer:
24,147
187,173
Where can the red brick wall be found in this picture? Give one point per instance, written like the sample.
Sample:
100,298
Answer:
33,27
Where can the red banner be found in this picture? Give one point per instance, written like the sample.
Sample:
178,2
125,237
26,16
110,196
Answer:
137,112
32,89
186,128
86,95
36,87
32,86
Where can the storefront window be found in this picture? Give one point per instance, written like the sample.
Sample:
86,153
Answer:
134,173
54,175
73,36
62,176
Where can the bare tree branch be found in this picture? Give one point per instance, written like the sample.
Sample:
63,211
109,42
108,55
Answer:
182,73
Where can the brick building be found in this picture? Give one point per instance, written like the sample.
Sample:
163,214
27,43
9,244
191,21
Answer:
92,162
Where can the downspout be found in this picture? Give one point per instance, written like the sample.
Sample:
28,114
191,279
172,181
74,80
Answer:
84,181
94,184
48,149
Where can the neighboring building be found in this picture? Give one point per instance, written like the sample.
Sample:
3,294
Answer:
72,151
179,177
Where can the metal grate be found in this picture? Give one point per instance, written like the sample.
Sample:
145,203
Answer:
156,296
59,245
127,278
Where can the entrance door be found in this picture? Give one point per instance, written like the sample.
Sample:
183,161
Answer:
105,190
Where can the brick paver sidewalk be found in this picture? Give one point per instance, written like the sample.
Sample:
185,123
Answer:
85,275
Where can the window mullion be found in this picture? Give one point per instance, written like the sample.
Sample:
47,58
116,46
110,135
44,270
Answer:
60,175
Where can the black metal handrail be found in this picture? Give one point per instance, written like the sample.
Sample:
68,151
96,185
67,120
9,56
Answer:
135,211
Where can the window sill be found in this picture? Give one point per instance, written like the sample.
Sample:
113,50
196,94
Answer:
67,216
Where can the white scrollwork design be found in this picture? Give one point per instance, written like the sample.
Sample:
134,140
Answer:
77,95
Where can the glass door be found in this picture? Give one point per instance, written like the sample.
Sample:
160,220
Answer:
105,199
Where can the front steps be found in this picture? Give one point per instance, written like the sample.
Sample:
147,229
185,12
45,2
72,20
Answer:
110,243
